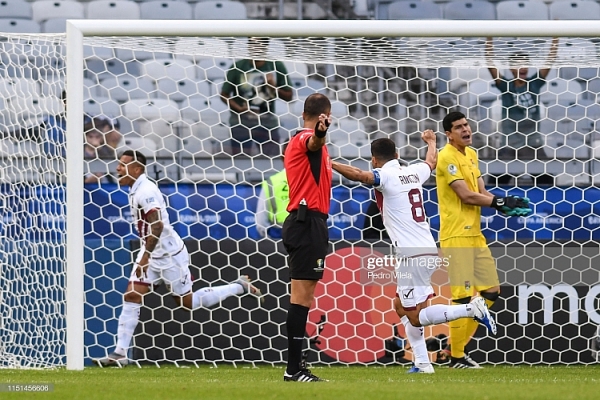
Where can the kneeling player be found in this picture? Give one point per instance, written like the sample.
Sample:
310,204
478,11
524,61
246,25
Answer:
399,194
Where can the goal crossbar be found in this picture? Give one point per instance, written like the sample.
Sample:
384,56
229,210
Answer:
78,29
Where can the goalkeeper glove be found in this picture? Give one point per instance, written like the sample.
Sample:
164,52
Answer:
512,206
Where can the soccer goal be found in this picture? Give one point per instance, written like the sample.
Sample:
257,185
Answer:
155,86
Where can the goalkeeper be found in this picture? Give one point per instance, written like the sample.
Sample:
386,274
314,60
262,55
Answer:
461,194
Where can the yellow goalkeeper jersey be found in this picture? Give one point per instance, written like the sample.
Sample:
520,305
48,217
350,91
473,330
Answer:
457,219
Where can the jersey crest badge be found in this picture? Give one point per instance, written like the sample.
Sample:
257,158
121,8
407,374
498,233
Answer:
452,169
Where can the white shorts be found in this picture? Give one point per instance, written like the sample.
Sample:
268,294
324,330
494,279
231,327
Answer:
414,280
173,271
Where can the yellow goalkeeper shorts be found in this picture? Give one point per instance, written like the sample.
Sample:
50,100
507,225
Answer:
471,267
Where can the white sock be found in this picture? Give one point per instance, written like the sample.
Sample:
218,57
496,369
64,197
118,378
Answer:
417,343
438,314
210,296
128,320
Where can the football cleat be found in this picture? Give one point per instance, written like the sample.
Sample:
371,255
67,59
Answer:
304,375
461,363
472,362
112,360
483,315
428,369
244,282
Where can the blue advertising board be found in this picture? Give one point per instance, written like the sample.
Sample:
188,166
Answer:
227,211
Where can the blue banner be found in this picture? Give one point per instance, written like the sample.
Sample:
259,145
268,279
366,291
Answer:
227,211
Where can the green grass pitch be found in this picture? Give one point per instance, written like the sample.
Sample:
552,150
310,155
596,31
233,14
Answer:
265,382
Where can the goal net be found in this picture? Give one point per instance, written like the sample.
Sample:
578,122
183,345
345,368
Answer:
159,92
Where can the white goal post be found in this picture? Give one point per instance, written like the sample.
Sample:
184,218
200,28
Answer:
78,30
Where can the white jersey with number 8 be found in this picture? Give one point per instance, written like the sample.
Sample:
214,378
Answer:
399,195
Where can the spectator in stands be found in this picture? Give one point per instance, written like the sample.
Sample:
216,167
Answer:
55,127
250,90
520,103
95,147
271,208
110,128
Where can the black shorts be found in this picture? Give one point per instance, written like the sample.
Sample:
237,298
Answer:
307,244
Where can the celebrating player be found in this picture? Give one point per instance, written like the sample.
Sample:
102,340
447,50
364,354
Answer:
163,258
399,194
461,194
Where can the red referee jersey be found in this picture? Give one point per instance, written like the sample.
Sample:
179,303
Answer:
308,173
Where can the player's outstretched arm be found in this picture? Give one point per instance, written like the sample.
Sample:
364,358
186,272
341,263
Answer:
353,173
489,58
429,137
551,58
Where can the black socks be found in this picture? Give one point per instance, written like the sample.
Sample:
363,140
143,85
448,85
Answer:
296,328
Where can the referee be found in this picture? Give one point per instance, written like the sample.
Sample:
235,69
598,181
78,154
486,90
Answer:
305,234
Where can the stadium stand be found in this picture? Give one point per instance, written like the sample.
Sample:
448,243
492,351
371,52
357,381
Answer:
220,10
166,10
113,9
413,10
48,9
574,10
11,25
466,9
15,9
521,10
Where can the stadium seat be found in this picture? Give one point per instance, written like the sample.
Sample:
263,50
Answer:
19,26
101,69
460,77
338,109
521,10
214,69
166,10
305,87
574,10
126,87
408,9
169,68
296,69
591,90
48,9
54,25
15,9
192,107
103,53
215,46
146,146
179,90
361,8
101,106
12,87
467,9
560,91
220,10
113,9
151,110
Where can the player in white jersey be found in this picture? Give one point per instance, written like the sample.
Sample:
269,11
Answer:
399,195
163,258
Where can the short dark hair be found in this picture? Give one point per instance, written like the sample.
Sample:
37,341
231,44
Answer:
136,155
316,104
450,119
383,149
